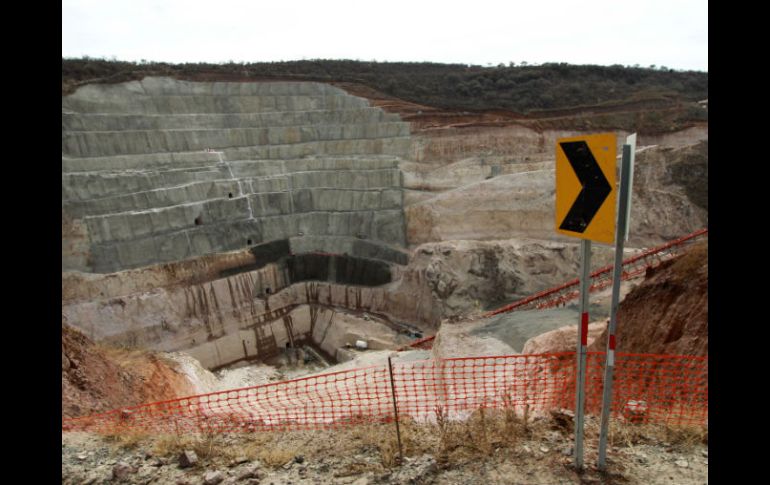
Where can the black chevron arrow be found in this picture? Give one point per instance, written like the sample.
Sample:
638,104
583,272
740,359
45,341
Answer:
596,188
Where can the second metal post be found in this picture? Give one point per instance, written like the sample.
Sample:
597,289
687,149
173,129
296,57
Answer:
625,191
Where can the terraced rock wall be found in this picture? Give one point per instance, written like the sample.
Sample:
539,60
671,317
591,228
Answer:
162,170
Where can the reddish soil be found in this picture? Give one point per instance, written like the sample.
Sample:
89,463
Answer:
425,119
668,312
96,378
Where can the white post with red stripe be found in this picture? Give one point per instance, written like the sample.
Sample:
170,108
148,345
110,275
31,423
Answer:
620,237
582,344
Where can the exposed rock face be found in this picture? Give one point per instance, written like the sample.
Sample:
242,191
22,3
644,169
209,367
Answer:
516,143
198,306
670,193
467,276
562,339
296,259
516,205
462,340
668,312
485,197
690,170
162,170
97,378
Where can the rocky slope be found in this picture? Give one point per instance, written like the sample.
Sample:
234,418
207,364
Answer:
466,276
490,197
668,312
98,378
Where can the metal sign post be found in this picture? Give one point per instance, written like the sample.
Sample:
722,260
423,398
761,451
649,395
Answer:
585,207
582,343
623,213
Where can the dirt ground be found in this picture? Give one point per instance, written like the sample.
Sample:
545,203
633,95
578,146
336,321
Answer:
487,449
98,378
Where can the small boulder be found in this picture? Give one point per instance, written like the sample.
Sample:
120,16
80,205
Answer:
122,470
213,478
238,461
253,472
188,458
681,463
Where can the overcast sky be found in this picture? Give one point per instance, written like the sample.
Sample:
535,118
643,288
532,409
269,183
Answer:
672,33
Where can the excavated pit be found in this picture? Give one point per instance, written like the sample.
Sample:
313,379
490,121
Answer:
237,222
279,223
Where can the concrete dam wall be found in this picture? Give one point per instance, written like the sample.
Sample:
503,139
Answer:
163,170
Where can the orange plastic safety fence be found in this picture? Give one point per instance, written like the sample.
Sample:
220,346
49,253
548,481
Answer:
661,389
648,388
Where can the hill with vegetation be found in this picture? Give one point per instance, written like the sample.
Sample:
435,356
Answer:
523,89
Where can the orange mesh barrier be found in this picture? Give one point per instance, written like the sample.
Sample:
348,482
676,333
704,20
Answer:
647,388
658,389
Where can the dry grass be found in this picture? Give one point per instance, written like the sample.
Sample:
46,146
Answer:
127,440
485,431
383,438
452,443
215,447
278,456
686,437
683,438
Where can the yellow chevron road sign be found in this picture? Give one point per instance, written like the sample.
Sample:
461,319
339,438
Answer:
585,187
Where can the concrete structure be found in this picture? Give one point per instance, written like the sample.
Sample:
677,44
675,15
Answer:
163,170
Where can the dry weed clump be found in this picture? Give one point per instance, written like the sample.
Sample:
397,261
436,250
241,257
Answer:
278,456
127,440
382,437
486,430
211,446
166,445
684,438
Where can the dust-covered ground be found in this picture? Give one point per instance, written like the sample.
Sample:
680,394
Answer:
487,449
